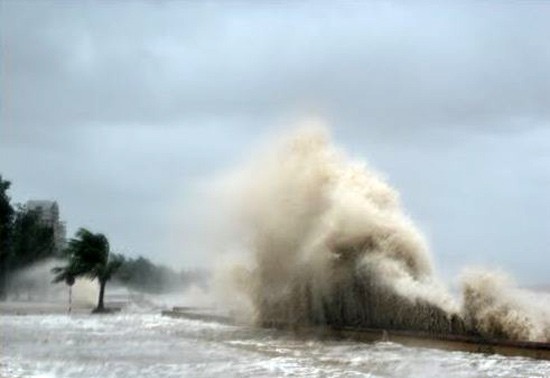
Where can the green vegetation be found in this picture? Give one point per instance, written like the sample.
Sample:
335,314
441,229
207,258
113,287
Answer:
142,275
32,240
88,255
6,225
24,239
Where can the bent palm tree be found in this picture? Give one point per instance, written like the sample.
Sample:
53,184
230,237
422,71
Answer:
88,256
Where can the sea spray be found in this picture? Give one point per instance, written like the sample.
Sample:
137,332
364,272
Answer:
34,283
495,307
326,242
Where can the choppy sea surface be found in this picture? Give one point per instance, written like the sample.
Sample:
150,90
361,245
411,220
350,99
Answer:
150,345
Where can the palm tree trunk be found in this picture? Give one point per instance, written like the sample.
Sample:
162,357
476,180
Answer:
100,306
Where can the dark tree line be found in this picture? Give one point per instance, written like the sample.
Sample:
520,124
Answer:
24,239
142,275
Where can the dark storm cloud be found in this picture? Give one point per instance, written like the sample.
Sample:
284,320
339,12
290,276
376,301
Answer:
385,64
114,107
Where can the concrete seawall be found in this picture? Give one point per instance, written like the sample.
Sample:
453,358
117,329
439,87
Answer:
410,338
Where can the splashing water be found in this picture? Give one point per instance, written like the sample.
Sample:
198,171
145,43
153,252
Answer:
34,283
327,243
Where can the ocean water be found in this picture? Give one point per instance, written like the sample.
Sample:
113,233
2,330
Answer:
150,345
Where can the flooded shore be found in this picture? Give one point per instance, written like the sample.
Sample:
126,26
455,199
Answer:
146,344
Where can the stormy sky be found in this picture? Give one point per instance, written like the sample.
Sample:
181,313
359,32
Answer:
122,111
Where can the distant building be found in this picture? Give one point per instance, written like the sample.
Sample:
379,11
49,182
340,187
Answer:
48,211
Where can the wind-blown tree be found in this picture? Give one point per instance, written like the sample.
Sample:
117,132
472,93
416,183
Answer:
89,256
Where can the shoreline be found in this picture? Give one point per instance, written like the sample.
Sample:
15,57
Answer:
42,308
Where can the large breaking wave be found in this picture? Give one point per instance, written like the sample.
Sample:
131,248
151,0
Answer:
327,243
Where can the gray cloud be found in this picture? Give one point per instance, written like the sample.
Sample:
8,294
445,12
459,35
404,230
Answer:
387,64
114,107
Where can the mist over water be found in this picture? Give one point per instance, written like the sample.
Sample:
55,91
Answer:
34,283
327,242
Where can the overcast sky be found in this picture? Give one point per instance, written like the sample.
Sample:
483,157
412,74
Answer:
121,111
